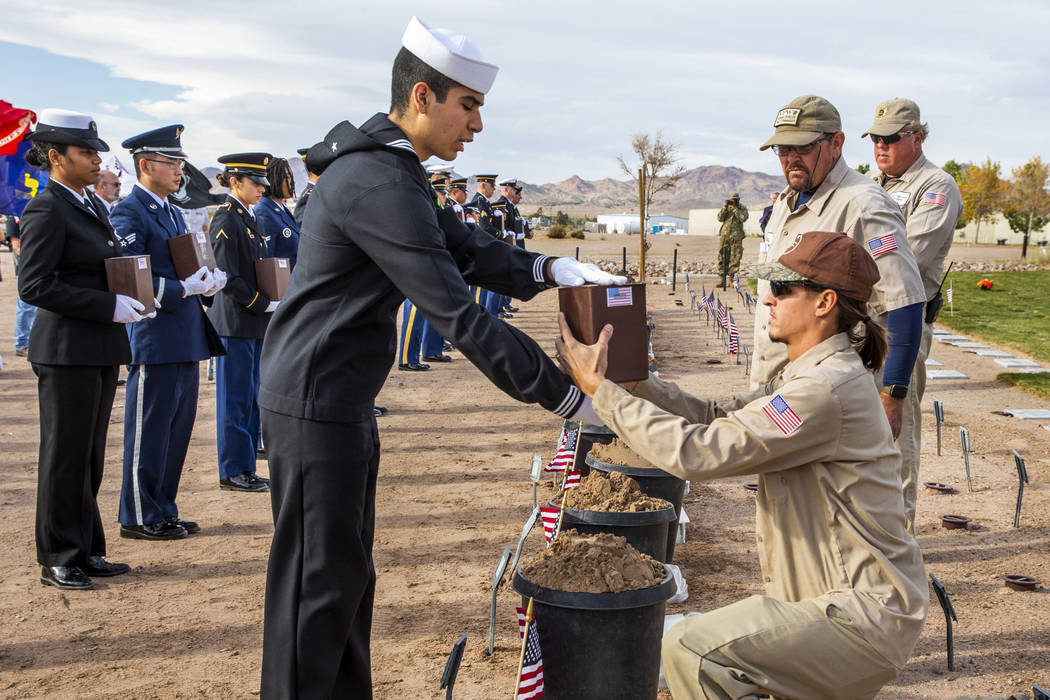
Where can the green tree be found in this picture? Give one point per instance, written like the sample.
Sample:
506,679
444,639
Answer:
1028,204
956,170
864,168
562,218
983,193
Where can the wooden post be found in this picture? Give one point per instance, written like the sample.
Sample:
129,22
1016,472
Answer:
641,225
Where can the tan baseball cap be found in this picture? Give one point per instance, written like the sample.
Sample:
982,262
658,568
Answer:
832,260
893,115
802,121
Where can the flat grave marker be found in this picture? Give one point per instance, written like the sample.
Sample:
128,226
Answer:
945,374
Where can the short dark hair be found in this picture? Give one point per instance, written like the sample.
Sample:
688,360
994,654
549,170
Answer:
37,156
279,173
409,70
136,161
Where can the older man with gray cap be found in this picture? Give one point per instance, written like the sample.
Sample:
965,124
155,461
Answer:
375,235
823,193
931,204
845,589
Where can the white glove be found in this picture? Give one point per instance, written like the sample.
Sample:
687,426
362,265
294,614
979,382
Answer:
127,310
219,278
197,283
569,272
586,413
272,306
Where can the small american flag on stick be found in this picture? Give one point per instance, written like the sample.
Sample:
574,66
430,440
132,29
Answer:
948,294
565,457
572,480
722,318
530,677
549,515
734,337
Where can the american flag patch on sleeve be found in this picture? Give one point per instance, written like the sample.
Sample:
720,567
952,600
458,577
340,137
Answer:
936,199
882,244
781,414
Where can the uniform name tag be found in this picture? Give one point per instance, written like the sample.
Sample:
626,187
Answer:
618,296
142,263
787,116
901,198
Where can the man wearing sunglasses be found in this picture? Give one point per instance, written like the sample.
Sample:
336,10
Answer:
931,204
845,589
825,194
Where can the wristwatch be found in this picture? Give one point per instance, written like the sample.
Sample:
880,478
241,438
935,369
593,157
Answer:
897,391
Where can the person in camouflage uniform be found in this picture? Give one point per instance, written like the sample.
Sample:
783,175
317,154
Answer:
731,235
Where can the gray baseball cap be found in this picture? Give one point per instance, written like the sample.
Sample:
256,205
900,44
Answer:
802,121
892,116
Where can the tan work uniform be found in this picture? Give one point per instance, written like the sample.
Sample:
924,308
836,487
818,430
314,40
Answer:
845,583
851,203
931,204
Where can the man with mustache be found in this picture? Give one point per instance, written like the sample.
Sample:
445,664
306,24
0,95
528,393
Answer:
825,194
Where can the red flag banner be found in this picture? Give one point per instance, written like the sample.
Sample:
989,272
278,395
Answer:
14,125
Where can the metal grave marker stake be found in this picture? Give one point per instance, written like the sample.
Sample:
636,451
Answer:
497,576
747,357
1022,479
448,677
692,300
529,524
938,413
949,615
964,438
534,475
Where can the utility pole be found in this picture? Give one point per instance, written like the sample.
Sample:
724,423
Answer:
641,224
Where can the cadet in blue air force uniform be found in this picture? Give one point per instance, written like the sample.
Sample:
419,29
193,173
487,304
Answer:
163,379
280,227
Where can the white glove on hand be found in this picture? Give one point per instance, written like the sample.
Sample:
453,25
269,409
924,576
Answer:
127,310
586,413
569,272
219,278
197,283
272,306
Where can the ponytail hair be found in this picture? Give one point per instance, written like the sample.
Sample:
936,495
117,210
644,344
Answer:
37,156
867,337
223,179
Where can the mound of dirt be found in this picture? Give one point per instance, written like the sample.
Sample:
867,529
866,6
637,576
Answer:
617,452
613,493
599,563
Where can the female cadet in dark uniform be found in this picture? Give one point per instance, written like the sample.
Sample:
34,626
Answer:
282,232
76,345
240,314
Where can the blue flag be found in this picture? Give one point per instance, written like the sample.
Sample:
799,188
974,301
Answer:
19,181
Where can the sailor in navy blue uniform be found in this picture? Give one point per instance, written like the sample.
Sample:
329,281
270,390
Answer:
374,235
280,227
240,314
490,223
163,377
300,205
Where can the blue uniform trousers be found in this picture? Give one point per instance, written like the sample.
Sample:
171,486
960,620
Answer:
411,334
159,411
492,302
433,343
237,405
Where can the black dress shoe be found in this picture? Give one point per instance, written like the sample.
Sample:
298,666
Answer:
164,530
97,566
379,410
512,309
245,481
438,358
122,382
260,453
447,346
189,526
68,578
414,367
505,315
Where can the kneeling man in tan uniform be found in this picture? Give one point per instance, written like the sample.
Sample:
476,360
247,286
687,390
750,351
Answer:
846,592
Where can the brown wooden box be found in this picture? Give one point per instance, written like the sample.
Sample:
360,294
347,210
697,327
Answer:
590,307
190,252
132,276
271,277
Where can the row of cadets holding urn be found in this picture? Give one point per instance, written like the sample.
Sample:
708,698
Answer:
77,344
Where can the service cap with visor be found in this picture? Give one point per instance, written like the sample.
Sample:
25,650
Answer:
249,165
67,127
802,121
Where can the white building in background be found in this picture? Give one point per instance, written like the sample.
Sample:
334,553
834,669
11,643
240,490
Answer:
658,223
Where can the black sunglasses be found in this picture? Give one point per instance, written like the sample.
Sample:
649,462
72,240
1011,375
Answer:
892,138
780,289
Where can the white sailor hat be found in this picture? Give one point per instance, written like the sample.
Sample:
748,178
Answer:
67,127
453,55
511,182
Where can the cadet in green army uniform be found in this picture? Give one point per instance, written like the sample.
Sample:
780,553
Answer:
731,235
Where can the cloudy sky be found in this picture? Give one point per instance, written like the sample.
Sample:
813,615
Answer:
577,79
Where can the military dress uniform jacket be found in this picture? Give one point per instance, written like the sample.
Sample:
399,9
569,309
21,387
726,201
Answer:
487,219
851,203
512,221
61,271
239,310
300,206
373,234
830,520
180,332
931,204
281,229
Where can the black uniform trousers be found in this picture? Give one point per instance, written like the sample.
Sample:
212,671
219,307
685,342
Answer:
75,403
320,582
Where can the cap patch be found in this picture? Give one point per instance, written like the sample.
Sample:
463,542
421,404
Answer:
788,117
881,112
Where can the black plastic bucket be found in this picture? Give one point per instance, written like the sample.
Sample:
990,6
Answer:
591,435
600,646
653,482
646,531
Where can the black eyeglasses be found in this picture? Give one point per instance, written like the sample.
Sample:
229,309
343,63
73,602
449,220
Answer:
892,138
781,289
173,164
783,151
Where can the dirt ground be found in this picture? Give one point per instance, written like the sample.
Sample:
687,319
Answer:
454,491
